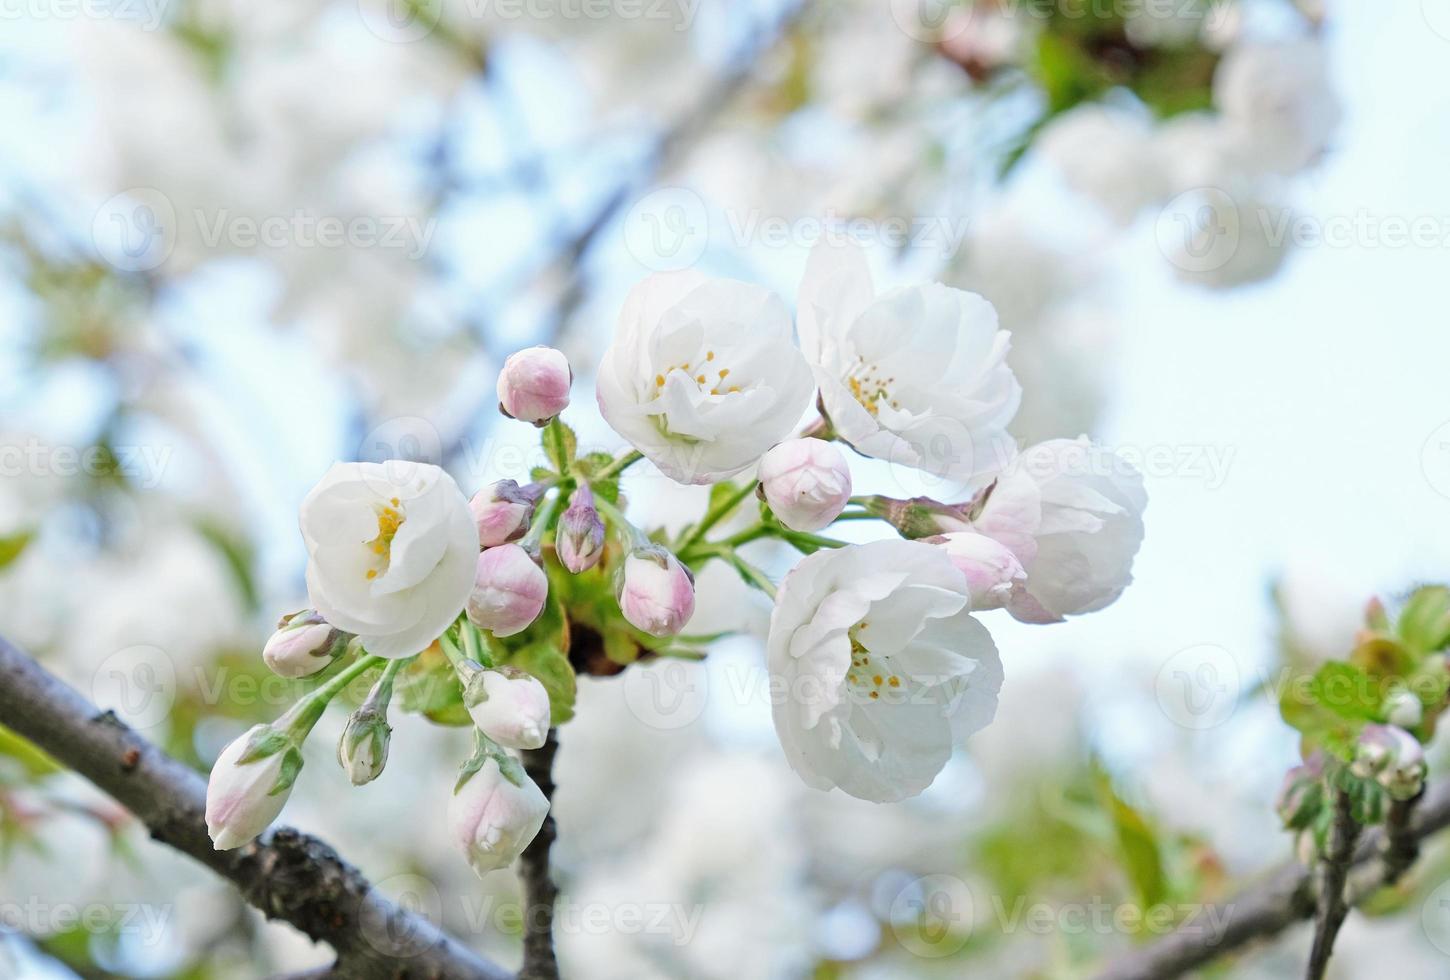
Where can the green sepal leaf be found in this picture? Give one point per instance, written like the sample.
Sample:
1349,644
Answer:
13,545
560,445
1424,624
291,768
264,742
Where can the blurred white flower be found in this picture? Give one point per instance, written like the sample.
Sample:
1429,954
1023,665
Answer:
391,550
1277,102
1072,512
1105,154
702,376
917,376
878,668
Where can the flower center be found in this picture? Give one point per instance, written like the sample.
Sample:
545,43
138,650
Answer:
868,672
706,375
390,518
868,386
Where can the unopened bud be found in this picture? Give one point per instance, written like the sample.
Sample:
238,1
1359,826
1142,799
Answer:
807,483
509,590
1392,757
363,748
249,785
534,385
990,567
656,593
919,517
1302,795
1404,710
579,538
303,645
509,706
503,512
494,815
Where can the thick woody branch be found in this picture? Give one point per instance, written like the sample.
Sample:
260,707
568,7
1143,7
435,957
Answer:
1333,873
288,875
1286,897
540,891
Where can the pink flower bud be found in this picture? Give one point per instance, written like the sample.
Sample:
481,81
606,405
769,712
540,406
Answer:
243,798
509,589
509,706
579,538
534,384
493,817
503,512
806,482
302,646
990,567
656,593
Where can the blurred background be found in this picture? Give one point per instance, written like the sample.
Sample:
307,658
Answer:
241,241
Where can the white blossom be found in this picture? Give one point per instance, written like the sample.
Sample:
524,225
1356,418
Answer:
1072,513
702,376
917,376
878,668
391,552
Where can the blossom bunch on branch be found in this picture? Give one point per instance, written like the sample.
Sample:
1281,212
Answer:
482,612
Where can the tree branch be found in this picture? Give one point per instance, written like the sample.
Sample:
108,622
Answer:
1284,898
288,875
540,891
1333,872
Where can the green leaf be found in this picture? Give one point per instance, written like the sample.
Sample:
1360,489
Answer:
546,661
1347,691
35,762
1424,625
430,687
606,490
1137,844
592,463
539,474
13,545
238,554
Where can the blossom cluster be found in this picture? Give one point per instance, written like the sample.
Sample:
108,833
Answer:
879,646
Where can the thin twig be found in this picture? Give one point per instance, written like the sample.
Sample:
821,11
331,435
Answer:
540,890
1283,898
1333,873
288,875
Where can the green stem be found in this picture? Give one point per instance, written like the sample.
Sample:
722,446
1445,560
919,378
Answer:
300,718
750,573
620,464
543,520
382,693
858,515
616,517
556,446
717,513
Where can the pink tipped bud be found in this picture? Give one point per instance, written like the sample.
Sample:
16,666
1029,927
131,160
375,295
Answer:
495,814
503,512
990,567
302,646
534,385
806,482
509,706
249,785
509,589
580,535
656,593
